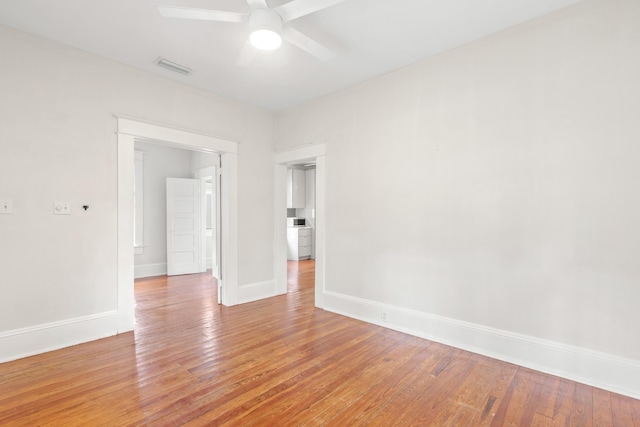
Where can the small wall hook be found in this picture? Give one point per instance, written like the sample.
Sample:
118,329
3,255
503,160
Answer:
85,207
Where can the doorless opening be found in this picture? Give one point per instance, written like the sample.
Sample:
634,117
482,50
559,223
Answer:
310,154
128,131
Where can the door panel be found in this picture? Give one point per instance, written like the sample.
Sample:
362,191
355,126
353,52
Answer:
183,226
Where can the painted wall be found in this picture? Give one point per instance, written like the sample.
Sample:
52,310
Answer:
201,160
58,142
256,195
493,187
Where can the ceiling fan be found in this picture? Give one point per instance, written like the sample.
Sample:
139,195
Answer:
268,26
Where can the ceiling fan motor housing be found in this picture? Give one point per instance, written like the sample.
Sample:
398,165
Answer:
264,19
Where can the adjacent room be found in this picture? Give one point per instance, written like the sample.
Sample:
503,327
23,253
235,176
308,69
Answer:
320,212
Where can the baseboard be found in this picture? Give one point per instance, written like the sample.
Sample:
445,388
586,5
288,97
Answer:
149,270
19,343
602,370
256,291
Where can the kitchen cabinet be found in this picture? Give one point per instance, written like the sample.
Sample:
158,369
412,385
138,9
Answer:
298,243
296,188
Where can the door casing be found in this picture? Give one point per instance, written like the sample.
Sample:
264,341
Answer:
282,159
130,129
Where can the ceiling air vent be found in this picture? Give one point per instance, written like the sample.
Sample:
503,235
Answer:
174,66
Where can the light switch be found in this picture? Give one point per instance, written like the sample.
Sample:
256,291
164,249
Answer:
62,208
6,206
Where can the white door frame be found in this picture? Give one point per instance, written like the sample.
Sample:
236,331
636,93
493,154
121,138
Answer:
282,159
129,130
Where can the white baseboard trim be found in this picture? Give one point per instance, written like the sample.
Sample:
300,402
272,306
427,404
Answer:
19,343
256,291
149,270
602,370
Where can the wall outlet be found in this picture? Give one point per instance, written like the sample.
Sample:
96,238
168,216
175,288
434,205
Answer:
383,316
62,208
6,206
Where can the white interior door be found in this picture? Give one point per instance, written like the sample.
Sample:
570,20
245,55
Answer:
184,233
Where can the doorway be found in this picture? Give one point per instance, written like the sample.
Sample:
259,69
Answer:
176,211
283,159
210,212
301,219
128,131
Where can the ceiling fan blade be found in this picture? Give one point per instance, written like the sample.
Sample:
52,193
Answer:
258,4
297,8
203,14
307,44
247,55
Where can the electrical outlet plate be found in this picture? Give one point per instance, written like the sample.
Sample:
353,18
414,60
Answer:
62,208
6,206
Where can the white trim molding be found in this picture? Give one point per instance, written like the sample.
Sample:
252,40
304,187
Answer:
150,270
130,130
296,154
24,342
256,291
180,137
579,364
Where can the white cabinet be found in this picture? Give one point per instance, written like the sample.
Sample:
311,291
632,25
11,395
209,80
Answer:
298,243
296,188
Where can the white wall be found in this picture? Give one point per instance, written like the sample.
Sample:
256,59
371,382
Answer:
488,197
255,195
201,160
58,142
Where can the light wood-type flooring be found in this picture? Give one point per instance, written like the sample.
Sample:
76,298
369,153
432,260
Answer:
281,362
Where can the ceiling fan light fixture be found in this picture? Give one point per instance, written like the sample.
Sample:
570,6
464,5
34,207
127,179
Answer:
266,26
265,39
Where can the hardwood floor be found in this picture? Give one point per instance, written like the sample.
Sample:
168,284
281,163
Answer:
281,362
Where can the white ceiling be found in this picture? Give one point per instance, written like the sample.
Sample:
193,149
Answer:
371,38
